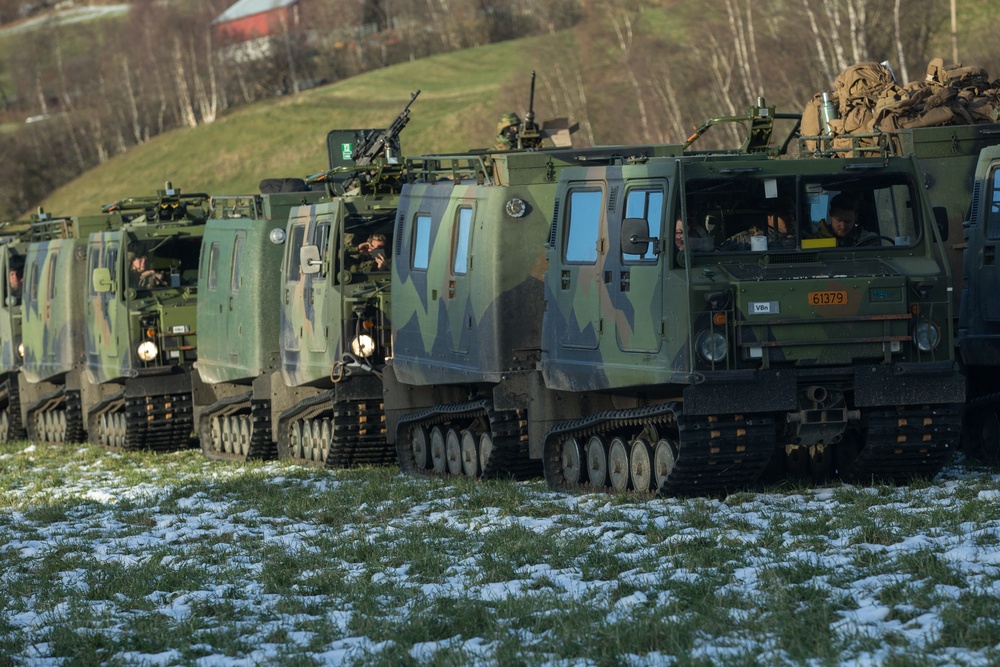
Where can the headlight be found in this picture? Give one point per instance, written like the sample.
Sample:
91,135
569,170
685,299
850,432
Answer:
711,346
20,349
277,236
926,336
363,346
147,350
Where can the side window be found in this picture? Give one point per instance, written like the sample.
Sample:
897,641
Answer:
421,241
993,201
213,267
234,283
648,204
111,257
295,241
584,226
93,262
322,240
34,273
52,277
463,229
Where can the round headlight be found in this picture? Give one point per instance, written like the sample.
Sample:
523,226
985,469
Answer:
20,349
147,350
277,236
926,336
711,346
363,346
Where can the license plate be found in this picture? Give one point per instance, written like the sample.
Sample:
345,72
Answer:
831,298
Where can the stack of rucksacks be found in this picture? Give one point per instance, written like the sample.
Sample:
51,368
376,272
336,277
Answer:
869,101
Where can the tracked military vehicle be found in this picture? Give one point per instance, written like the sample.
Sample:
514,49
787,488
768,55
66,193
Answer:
301,379
53,324
140,336
11,294
467,306
237,322
979,317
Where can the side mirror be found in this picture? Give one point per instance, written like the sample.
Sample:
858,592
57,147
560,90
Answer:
941,218
635,236
101,280
309,260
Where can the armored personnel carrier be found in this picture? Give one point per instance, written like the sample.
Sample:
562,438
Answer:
53,324
140,312
238,320
11,295
467,306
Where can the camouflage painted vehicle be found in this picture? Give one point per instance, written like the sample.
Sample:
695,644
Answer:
140,312
238,321
690,359
626,353
53,323
11,263
336,285
467,306
979,316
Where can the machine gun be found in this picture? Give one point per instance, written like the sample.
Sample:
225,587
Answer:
386,141
529,136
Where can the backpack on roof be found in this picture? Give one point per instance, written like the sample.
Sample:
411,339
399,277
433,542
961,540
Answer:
861,84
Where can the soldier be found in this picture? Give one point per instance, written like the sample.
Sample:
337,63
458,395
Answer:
140,275
508,126
15,283
373,254
842,223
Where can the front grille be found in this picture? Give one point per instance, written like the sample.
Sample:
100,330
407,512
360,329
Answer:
838,268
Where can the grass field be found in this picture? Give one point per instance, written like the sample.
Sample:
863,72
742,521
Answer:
285,137
134,559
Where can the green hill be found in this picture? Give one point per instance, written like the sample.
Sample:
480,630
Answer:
679,72
461,96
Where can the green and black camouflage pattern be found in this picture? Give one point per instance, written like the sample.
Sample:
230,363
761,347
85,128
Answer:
53,325
12,247
141,339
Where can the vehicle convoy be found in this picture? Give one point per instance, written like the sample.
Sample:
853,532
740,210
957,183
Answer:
301,380
626,354
12,266
51,382
140,331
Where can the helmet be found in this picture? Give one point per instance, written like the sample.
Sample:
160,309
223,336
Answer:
506,120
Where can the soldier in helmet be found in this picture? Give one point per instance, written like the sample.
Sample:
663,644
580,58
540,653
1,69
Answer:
507,128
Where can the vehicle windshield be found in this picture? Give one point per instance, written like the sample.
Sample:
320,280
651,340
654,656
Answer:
792,214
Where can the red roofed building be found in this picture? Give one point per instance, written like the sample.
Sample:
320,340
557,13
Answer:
252,19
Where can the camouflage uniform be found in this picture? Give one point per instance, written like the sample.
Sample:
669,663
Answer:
507,127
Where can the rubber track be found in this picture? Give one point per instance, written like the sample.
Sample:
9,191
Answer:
908,443
358,434
160,423
510,454
17,429
358,431
261,445
716,455
60,401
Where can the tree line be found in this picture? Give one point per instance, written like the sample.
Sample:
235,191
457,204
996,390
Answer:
101,87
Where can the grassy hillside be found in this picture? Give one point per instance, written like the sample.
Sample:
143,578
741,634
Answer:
464,92
461,95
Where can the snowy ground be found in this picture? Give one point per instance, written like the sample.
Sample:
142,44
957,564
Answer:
139,564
